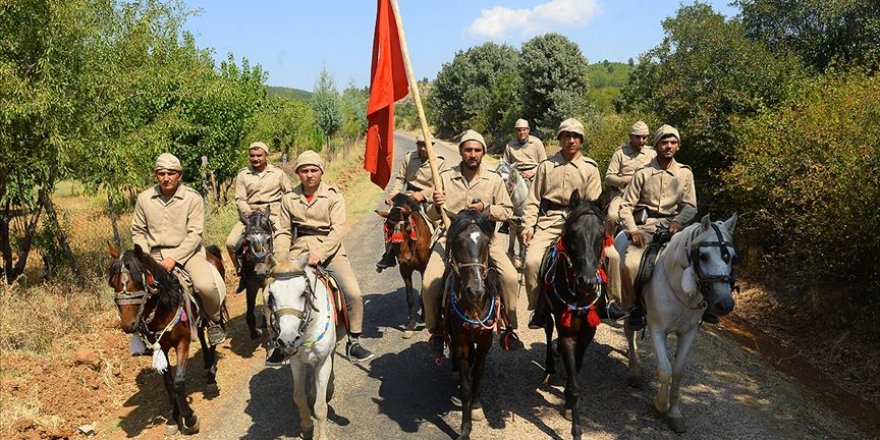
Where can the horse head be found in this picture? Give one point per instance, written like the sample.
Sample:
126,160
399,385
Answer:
581,244
257,246
399,223
140,284
711,255
467,255
292,301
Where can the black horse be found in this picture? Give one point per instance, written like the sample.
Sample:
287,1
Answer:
471,306
572,284
255,252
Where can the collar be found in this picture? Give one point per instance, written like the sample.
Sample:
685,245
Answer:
558,159
481,173
321,192
177,194
269,169
655,165
629,150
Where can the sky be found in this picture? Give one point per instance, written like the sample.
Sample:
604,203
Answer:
294,39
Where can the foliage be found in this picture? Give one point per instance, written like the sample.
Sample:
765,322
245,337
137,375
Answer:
806,178
606,132
606,81
284,123
326,106
554,72
289,92
354,111
823,33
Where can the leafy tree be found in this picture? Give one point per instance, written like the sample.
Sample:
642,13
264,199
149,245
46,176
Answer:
354,111
327,107
554,72
821,32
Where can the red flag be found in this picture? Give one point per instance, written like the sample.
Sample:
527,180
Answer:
387,85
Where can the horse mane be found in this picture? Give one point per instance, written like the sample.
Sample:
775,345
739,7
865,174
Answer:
287,267
401,199
463,219
170,289
587,207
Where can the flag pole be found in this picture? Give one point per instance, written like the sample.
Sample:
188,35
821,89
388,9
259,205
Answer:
414,89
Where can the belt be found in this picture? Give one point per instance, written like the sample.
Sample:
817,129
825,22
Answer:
411,187
310,233
547,205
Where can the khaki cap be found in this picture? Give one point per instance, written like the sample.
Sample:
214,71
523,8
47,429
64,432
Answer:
420,138
640,129
259,145
168,161
570,125
663,131
521,123
472,135
309,157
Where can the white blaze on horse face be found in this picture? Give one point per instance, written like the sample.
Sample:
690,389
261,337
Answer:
475,236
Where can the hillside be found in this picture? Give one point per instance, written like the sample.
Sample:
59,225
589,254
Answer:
289,92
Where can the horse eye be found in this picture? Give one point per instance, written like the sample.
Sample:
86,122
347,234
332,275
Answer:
704,256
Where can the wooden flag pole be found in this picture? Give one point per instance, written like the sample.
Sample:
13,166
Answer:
414,89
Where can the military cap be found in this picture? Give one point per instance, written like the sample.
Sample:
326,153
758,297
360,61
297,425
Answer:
167,161
640,129
420,138
570,125
521,123
259,145
663,131
472,135
309,157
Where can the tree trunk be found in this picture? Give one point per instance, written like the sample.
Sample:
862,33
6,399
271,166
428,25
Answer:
113,222
5,247
24,248
63,242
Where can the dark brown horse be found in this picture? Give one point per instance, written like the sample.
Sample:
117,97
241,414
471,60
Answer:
152,307
409,236
572,283
471,307
256,252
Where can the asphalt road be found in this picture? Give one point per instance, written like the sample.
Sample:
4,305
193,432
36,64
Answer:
402,394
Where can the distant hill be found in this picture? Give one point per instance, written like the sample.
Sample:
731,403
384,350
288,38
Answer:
289,92
606,80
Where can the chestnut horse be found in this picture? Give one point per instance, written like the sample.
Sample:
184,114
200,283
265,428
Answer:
151,306
409,235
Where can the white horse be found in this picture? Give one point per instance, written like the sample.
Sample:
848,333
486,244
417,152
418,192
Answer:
304,324
694,271
518,189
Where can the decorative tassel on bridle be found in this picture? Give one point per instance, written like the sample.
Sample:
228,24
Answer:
396,236
601,280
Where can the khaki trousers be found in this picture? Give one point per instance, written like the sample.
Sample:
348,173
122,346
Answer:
339,266
613,215
633,258
207,283
432,282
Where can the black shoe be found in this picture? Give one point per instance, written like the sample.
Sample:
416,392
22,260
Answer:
710,317
274,357
242,285
354,349
504,229
636,321
614,312
387,261
509,341
538,320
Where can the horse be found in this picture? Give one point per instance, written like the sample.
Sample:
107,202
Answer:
151,305
409,235
471,307
304,318
694,271
256,252
572,281
518,189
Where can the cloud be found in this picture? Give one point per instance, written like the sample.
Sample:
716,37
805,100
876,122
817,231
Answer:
499,22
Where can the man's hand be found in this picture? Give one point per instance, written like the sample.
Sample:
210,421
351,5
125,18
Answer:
528,174
637,238
168,264
314,260
527,237
477,204
418,196
674,227
627,180
439,198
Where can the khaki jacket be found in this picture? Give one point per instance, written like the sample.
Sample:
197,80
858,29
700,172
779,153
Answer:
260,190
624,162
555,181
487,186
173,228
525,156
317,223
416,173
665,193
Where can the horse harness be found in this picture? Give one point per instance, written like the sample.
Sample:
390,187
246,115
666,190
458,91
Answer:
549,264
140,298
704,281
493,314
305,315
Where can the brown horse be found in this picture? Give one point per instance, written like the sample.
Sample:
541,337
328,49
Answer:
471,307
409,236
572,281
152,307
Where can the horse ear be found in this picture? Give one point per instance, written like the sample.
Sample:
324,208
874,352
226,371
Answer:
114,252
575,200
730,224
706,223
138,251
383,214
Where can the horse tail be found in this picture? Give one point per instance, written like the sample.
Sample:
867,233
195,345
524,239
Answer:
214,251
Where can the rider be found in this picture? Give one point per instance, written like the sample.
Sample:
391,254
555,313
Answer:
525,151
168,222
415,176
469,185
311,220
548,205
258,186
660,195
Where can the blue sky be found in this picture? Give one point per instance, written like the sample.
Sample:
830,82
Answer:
294,39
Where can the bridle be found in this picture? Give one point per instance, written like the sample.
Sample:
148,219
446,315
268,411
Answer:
135,297
305,315
259,239
705,281
482,272
395,231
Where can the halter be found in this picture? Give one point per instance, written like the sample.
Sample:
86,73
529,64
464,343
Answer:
305,316
256,239
406,223
704,281
557,252
489,319
140,298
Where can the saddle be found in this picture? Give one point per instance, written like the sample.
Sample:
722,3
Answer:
649,259
337,297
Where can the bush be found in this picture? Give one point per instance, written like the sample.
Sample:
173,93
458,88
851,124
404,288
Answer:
806,179
605,133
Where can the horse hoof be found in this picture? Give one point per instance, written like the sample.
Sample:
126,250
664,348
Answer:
408,334
190,430
307,434
634,381
478,415
256,333
567,414
657,413
171,429
676,424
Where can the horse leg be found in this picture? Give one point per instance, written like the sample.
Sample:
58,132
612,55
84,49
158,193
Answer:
664,372
464,385
549,359
406,272
188,422
478,369
572,389
209,356
323,375
674,418
634,370
251,316
298,370
171,424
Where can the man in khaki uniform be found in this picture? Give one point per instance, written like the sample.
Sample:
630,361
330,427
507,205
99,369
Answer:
311,220
469,185
168,222
525,151
664,191
624,162
258,186
414,177
547,207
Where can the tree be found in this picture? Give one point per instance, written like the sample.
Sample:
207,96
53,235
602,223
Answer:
554,72
354,111
327,107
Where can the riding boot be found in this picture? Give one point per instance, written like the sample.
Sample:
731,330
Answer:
504,229
614,312
388,260
636,320
354,349
710,317
539,316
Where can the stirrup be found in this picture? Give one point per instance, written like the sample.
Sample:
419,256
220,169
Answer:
509,341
